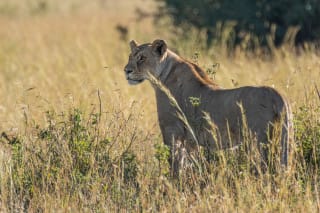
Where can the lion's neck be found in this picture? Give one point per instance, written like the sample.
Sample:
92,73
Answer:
165,67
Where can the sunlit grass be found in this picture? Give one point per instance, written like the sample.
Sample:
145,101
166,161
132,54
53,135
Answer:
65,104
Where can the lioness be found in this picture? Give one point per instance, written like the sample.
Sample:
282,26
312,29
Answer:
261,106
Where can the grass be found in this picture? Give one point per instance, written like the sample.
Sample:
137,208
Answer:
77,137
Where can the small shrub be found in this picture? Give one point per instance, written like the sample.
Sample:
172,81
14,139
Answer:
70,153
162,155
307,135
130,166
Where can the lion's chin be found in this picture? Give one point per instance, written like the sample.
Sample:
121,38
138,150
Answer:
135,82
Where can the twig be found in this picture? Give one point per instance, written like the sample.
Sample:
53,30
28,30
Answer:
174,102
100,105
317,90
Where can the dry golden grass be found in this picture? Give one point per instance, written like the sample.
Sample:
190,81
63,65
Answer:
70,56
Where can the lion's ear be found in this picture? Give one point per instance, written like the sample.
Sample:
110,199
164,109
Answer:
133,45
159,47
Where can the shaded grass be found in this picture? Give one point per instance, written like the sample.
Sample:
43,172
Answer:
73,156
89,162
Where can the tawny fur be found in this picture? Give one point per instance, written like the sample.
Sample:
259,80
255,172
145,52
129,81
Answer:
263,106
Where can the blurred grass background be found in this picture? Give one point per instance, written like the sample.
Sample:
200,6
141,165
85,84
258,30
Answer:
61,53
56,56
64,48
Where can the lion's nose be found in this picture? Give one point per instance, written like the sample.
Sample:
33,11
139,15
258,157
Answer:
128,71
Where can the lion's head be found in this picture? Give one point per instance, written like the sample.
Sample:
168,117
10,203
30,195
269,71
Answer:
143,59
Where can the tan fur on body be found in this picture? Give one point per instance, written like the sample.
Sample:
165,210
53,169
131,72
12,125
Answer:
262,105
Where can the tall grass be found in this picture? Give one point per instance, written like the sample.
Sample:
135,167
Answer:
76,137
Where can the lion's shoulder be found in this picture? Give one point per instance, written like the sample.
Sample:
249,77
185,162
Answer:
191,70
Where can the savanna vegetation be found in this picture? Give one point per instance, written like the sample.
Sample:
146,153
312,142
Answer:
75,137
250,22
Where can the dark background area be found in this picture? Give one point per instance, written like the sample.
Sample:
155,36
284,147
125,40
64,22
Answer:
252,21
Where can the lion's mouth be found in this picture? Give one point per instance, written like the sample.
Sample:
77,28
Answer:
133,82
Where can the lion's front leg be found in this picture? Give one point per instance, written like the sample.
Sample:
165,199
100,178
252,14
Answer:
180,149
172,137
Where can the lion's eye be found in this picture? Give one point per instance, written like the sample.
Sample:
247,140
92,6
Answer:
141,58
